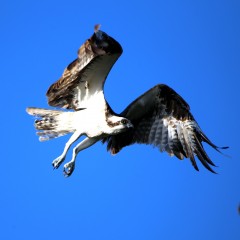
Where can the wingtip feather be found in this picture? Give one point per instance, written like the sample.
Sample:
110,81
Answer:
97,27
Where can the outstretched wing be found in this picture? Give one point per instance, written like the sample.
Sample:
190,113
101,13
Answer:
85,76
162,118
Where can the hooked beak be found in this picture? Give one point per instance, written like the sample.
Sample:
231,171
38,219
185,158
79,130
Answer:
130,125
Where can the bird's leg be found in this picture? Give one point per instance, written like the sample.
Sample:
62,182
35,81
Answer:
87,142
57,162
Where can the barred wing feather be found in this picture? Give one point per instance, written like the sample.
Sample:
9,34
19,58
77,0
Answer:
86,75
162,118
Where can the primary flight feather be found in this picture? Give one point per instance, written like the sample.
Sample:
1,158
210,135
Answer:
159,117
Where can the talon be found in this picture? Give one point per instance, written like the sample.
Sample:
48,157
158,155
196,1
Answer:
68,169
57,162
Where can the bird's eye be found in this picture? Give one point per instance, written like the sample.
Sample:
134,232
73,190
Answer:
124,121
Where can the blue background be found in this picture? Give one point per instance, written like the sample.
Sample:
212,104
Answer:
193,46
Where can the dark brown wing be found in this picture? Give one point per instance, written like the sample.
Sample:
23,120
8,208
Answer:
162,118
86,75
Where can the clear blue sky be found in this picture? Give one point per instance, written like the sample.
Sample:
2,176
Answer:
194,47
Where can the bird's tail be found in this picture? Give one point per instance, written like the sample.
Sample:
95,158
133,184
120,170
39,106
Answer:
51,123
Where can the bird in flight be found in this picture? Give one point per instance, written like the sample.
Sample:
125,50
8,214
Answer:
159,117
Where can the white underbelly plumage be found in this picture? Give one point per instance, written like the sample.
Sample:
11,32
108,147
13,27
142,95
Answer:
92,120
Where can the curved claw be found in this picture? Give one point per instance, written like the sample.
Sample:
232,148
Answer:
68,168
57,162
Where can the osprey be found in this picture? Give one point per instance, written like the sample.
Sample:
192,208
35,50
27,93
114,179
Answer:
160,117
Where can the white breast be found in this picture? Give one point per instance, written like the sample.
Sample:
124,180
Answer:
92,120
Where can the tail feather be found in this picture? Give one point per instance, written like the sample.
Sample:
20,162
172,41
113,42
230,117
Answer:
51,123
47,135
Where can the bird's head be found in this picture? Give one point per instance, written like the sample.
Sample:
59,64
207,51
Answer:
118,124
104,44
